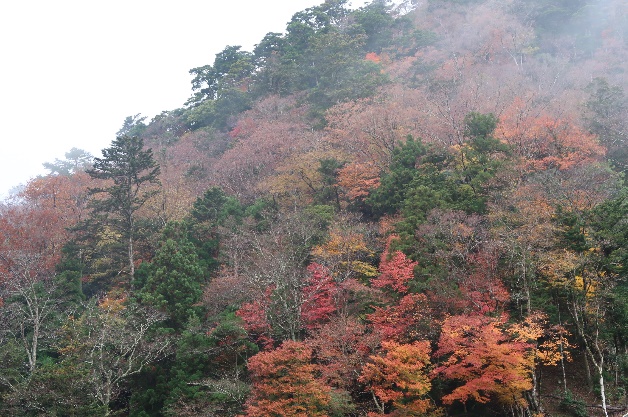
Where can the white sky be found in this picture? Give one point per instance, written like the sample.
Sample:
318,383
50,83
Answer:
72,70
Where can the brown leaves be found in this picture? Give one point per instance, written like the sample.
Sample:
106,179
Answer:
266,137
544,142
358,179
342,348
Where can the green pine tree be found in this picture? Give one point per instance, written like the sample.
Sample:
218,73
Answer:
128,170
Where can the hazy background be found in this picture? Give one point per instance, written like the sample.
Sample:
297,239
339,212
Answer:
71,71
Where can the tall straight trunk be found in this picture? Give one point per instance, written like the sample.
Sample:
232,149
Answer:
603,392
593,351
131,260
130,248
587,368
599,366
32,350
526,283
562,356
534,397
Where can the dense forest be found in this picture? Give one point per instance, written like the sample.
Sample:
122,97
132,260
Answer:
413,209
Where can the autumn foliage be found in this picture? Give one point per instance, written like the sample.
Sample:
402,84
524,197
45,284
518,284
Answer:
284,384
395,270
545,142
409,208
479,353
319,297
401,377
407,320
254,315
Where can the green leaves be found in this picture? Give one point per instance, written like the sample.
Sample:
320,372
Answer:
130,167
173,282
422,177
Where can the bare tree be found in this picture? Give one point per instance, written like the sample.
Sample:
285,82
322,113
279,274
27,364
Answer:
30,304
112,342
271,262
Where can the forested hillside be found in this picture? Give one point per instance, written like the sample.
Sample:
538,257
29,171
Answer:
405,210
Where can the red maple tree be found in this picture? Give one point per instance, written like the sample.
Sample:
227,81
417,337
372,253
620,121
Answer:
396,269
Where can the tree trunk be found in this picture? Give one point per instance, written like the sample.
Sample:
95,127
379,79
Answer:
131,253
588,351
131,260
533,397
600,369
588,370
562,356
380,407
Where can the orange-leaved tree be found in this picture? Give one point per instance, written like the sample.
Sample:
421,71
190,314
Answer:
549,346
400,378
284,384
543,142
358,179
479,353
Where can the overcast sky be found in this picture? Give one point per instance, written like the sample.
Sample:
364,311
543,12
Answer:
72,70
